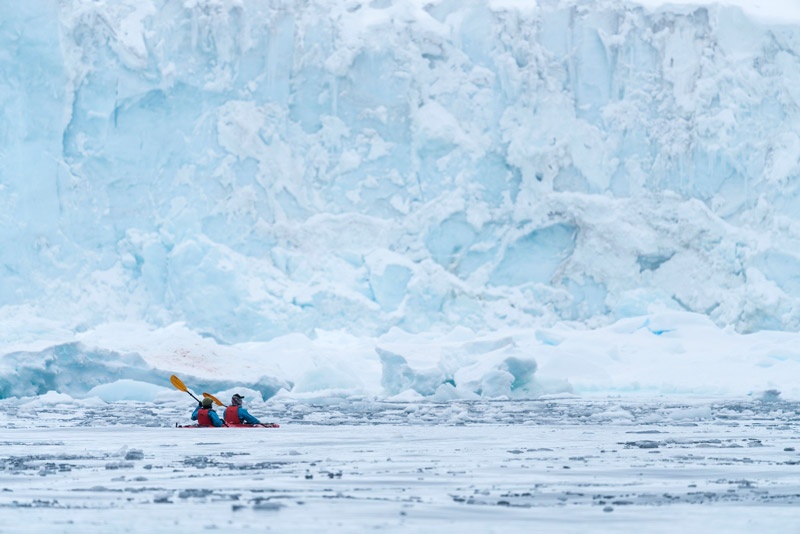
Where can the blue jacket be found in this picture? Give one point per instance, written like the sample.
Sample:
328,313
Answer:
243,415
215,420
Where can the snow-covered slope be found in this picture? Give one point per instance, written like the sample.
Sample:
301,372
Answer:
255,169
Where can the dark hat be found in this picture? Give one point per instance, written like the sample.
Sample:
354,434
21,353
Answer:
207,402
236,400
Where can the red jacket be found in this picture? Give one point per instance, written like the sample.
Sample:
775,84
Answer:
206,417
232,415
202,417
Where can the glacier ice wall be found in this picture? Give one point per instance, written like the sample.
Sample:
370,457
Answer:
253,168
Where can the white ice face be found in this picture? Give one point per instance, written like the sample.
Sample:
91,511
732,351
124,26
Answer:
252,171
301,187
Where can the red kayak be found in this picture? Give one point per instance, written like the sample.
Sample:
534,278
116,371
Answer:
231,425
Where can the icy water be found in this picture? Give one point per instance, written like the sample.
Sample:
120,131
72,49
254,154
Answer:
547,466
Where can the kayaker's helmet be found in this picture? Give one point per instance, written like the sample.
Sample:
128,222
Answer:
207,402
237,399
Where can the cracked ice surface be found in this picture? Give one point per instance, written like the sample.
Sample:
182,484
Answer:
563,465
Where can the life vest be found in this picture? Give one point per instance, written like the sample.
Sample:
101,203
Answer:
232,415
202,417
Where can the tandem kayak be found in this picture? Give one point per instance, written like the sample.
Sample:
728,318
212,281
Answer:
260,425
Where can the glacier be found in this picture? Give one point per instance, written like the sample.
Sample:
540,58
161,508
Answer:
497,180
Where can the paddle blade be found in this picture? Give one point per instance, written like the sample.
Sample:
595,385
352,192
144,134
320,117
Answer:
178,383
213,398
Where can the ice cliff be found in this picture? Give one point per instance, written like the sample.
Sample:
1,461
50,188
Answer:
257,168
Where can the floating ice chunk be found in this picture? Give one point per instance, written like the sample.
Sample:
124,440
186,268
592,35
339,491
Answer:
689,414
125,389
447,392
502,373
614,414
251,395
398,376
408,395
496,384
326,377
96,402
770,395
50,398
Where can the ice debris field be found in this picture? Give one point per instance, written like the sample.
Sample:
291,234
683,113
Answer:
556,465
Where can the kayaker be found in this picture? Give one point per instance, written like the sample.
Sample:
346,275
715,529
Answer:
205,415
236,414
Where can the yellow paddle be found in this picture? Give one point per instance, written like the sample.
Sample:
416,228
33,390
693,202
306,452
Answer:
178,383
213,398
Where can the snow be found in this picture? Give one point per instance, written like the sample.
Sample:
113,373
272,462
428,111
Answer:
779,12
485,261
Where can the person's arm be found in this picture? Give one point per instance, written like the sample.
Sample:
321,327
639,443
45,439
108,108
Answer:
215,420
245,416
194,413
